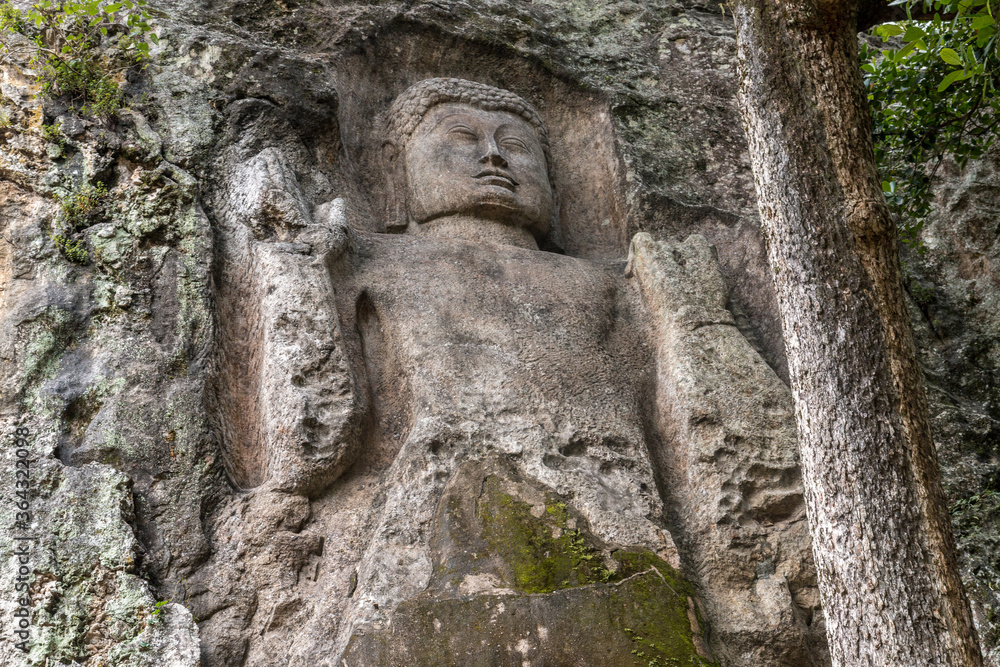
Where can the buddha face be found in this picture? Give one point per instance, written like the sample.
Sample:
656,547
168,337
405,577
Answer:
463,161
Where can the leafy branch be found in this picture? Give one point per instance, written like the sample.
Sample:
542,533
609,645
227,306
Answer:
932,93
80,49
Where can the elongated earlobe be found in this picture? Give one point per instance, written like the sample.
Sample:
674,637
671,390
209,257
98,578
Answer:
394,167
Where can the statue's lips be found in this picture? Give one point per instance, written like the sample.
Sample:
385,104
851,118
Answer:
493,177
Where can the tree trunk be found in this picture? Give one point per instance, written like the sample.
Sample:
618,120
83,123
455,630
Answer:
882,539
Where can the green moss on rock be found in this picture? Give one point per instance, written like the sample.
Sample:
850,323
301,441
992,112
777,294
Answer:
641,621
562,596
546,552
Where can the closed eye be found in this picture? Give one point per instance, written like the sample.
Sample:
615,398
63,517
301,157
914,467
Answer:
514,143
463,132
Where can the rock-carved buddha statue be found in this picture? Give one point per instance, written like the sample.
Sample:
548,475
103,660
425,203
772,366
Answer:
531,428
488,359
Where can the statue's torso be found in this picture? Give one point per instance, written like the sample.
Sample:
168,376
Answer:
518,339
475,354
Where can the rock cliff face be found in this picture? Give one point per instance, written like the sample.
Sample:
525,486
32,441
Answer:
953,287
209,421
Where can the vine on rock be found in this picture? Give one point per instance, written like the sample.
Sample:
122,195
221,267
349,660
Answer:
79,50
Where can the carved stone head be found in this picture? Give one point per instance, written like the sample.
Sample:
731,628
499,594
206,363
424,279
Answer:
463,157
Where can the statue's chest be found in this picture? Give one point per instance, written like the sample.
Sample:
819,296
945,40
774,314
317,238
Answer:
465,319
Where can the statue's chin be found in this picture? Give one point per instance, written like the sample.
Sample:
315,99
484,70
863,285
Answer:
480,230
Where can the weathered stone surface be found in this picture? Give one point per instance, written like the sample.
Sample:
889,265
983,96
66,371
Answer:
518,576
281,393
200,365
729,461
954,290
88,598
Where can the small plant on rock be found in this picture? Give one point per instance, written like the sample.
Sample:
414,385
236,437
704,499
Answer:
156,615
53,134
82,204
81,49
77,211
74,251
50,132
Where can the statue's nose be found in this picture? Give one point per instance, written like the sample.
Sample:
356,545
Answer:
493,156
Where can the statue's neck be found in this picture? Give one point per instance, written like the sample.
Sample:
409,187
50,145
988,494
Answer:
470,228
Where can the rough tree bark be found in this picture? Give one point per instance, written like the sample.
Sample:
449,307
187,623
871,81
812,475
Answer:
881,533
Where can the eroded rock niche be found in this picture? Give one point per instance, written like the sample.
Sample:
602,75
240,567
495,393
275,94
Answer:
473,415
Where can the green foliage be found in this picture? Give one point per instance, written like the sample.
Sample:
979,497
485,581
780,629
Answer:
933,93
53,134
82,204
156,615
74,251
972,514
78,210
80,48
